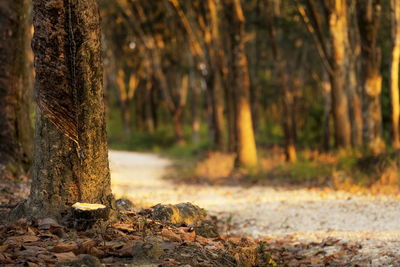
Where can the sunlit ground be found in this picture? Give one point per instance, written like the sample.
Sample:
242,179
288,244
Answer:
301,214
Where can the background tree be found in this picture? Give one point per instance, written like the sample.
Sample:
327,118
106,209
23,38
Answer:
369,16
394,70
15,93
240,84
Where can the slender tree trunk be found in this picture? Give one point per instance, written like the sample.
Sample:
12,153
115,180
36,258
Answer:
327,99
178,127
355,103
71,162
394,71
353,76
139,109
287,97
148,108
195,85
154,105
215,92
246,146
15,125
339,35
369,13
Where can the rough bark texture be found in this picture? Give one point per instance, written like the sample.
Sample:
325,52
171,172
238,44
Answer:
71,161
394,71
369,13
246,146
15,125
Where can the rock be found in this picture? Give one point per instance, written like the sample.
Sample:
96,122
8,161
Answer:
85,261
124,204
183,213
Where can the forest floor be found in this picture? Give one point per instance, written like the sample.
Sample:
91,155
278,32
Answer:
314,226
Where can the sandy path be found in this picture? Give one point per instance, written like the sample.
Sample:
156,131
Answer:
265,211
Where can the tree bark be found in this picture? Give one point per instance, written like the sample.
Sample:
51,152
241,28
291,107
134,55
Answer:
340,44
353,76
369,13
394,71
71,161
124,102
246,146
148,108
287,97
195,88
15,125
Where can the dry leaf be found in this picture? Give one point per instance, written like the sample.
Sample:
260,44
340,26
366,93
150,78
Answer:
64,247
66,256
168,234
23,239
4,247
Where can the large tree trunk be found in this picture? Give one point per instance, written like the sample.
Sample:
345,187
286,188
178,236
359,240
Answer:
369,13
339,35
15,125
394,71
71,161
246,146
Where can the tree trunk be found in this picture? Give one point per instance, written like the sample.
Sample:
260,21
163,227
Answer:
195,86
178,127
287,97
124,101
339,35
246,146
353,76
214,87
148,108
394,71
139,109
369,13
15,125
327,99
71,161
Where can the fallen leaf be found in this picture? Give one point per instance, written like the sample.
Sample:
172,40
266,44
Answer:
64,247
168,234
46,223
4,247
23,239
66,256
124,227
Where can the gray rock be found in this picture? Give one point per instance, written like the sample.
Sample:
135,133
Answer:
124,204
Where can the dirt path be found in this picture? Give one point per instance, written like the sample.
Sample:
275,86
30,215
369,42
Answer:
371,223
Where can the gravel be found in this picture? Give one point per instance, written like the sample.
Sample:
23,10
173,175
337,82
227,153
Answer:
305,215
